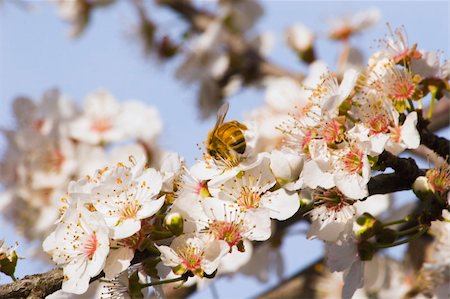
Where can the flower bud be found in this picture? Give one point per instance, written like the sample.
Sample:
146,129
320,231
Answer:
174,222
366,250
8,260
422,188
369,226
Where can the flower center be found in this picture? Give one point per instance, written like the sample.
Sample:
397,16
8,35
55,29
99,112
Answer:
130,210
191,256
353,161
396,133
91,246
202,189
229,232
378,124
332,199
248,199
332,131
402,88
304,142
101,125
439,178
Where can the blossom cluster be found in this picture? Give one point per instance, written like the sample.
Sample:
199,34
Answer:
201,219
55,141
144,218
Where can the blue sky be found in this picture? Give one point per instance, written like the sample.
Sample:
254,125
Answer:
36,54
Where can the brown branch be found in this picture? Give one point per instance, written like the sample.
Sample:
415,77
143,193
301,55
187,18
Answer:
439,145
300,285
406,172
33,286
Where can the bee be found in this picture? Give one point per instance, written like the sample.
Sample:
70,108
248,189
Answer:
226,140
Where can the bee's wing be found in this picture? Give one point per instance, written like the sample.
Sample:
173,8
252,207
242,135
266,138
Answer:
221,113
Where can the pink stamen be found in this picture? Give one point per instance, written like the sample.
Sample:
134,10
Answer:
91,246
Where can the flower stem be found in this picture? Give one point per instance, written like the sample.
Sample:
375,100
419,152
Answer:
413,237
411,105
408,231
351,118
395,222
433,99
158,282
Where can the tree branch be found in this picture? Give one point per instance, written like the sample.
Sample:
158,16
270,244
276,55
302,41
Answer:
439,145
300,285
252,67
406,172
33,286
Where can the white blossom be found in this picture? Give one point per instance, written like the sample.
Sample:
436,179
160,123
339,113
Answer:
80,244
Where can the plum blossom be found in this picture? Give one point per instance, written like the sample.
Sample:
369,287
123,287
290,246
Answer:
404,136
98,124
192,253
333,212
206,60
127,195
227,222
80,244
341,28
396,47
249,191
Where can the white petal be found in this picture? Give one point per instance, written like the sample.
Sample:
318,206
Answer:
126,228
329,232
353,279
282,205
77,279
49,243
118,260
351,185
232,261
314,177
152,179
374,204
410,135
214,253
340,255
258,225
169,256
150,208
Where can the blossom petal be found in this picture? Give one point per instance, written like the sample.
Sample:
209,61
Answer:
117,261
282,205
